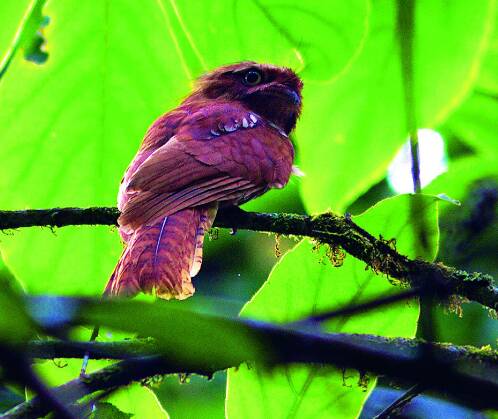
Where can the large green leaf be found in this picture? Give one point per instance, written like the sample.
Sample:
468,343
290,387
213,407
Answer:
318,39
178,330
139,401
462,173
352,128
476,120
303,283
16,325
69,127
488,79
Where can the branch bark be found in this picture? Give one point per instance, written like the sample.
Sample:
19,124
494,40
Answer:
328,228
466,373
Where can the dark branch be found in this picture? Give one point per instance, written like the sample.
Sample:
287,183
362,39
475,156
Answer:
58,217
327,228
472,378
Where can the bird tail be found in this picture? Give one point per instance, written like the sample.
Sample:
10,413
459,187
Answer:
162,258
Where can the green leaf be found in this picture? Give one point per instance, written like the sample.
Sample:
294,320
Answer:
138,401
476,123
303,283
70,127
16,325
318,39
487,76
135,399
476,120
460,175
351,129
105,410
178,330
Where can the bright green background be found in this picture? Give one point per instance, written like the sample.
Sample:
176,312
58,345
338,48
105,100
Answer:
69,127
304,282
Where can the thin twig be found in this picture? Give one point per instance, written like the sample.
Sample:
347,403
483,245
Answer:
399,404
350,310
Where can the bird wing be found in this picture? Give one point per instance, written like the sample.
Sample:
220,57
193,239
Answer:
220,153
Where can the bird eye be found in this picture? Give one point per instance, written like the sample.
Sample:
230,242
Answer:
252,78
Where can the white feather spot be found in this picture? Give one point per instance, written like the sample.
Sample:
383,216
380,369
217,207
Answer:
230,128
297,171
253,118
278,185
245,124
215,133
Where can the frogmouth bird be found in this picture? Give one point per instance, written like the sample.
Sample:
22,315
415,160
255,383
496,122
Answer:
226,143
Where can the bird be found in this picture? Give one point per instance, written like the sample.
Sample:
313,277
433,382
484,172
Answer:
226,143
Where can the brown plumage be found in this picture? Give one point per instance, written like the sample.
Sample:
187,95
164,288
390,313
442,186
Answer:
225,144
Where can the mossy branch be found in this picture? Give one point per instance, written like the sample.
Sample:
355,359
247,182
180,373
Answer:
327,228
467,373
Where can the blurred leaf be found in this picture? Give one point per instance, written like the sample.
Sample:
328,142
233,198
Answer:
176,329
70,126
352,128
476,123
7,279
304,283
476,120
460,175
16,326
488,81
219,340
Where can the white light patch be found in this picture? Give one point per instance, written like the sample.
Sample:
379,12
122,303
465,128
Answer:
433,162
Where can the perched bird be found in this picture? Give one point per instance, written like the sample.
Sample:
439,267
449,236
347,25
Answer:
226,143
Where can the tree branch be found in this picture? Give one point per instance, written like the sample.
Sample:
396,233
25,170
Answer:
472,378
327,228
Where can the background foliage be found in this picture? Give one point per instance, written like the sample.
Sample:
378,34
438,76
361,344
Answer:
81,81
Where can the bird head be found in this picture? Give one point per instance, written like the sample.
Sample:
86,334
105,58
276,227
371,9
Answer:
270,91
